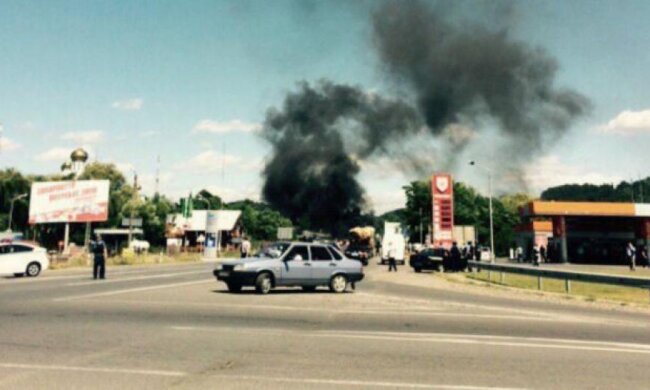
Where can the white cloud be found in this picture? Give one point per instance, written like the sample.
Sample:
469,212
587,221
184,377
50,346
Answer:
384,201
134,104
84,137
56,154
7,145
628,123
208,162
549,171
216,127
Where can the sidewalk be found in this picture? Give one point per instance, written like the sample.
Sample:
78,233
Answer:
623,270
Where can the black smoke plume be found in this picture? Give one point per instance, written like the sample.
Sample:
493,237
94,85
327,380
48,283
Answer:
317,138
462,74
456,76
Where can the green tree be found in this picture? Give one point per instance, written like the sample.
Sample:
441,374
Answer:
205,200
259,220
12,184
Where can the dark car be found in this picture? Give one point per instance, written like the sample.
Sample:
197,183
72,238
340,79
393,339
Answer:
359,252
429,259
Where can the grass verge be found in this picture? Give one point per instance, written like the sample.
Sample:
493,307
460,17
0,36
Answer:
129,259
588,291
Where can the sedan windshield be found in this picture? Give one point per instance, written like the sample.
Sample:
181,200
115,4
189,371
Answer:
274,250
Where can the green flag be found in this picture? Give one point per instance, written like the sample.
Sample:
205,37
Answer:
190,206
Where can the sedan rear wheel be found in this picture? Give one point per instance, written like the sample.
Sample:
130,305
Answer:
33,269
338,284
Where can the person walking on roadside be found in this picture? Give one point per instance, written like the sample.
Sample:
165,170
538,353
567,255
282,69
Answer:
630,253
542,253
392,264
245,247
642,253
536,255
520,254
100,253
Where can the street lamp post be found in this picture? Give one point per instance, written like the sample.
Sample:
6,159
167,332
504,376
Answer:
489,173
11,209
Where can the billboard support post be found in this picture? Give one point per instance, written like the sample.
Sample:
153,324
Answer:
66,237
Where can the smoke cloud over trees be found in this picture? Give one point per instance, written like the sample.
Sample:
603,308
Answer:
456,78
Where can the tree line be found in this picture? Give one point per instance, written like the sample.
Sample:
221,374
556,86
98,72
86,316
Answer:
258,220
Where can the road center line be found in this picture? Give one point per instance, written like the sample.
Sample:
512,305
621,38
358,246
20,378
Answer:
469,339
365,312
105,370
143,277
358,383
130,290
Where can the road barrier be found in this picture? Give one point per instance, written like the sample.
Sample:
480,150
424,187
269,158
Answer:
567,276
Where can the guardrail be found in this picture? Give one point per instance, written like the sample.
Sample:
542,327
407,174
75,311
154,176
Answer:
567,276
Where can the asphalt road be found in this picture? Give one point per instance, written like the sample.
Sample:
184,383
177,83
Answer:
176,327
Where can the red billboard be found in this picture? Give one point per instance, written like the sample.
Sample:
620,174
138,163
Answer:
442,194
69,201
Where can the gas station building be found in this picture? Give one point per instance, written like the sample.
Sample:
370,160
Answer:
584,232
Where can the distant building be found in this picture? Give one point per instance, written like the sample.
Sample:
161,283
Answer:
584,232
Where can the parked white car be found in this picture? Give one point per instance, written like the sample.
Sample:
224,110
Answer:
22,259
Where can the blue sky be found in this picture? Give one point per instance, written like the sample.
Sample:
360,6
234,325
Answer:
191,81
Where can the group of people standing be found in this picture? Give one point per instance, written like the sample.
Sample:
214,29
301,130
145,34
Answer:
636,256
458,258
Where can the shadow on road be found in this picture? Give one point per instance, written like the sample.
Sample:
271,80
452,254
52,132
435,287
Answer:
278,292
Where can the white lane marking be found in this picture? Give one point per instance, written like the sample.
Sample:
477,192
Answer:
337,382
541,315
7,280
469,339
136,278
366,312
92,369
130,290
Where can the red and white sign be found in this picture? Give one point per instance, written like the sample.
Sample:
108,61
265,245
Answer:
442,193
69,201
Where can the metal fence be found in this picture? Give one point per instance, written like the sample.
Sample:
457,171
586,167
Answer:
567,276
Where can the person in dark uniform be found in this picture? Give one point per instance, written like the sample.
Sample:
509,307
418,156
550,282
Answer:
100,253
456,257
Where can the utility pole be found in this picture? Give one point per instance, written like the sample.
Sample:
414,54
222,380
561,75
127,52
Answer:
421,242
489,173
135,201
157,176
11,210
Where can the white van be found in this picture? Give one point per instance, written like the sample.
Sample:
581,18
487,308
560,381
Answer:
393,240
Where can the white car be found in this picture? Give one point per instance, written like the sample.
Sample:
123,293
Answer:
22,259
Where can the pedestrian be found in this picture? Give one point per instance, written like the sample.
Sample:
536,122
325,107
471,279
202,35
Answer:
535,255
542,253
643,250
630,253
456,257
245,247
392,264
100,253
